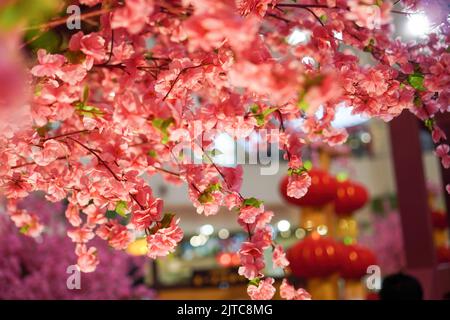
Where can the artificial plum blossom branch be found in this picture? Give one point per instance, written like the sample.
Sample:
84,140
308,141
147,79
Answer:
120,91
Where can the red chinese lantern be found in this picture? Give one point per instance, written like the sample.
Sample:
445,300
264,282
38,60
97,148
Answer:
439,219
355,260
349,197
322,190
443,254
372,296
315,256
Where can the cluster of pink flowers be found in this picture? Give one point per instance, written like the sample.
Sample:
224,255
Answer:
264,290
255,220
288,292
37,268
164,240
386,240
118,104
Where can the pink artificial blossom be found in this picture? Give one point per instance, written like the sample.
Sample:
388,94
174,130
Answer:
87,258
248,214
49,152
264,291
279,257
442,152
288,292
252,261
80,235
49,64
73,215
298,185
164,240
116,234
93,45
142,219
133,16
438,135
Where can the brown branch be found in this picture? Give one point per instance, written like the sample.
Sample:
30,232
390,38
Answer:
315,16
67,134
103,162
166,171
33,163
274,16
402,12
63,20
136,200
304,6
112,47
324,6
178,77
283,128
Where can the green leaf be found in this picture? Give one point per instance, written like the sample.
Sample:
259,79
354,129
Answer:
162,125
205,197
254,282
122,208
260,120
49,40
310,82
369,47
292,171
429,123
268,111
253,202
215,152
313,81
254,108
261,116
152,153
24,229
416,81
148,56
303,105
75,57
307,165
88,111
214,187
417,101
323,18
42,131
23,13
111,214
85,94
167,220
206,158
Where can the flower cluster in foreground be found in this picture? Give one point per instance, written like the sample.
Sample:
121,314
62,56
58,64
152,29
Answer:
118,102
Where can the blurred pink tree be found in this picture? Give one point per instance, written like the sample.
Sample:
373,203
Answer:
30,270
386,241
